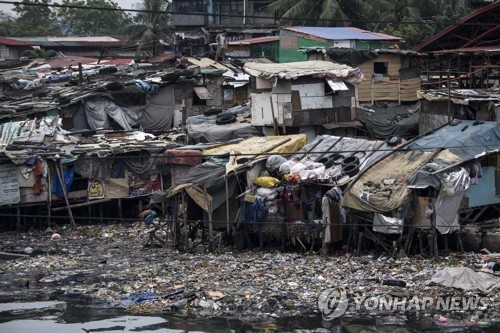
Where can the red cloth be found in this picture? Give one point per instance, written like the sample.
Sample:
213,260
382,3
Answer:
185,157
38,172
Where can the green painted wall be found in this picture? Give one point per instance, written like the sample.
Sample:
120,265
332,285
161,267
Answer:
270,49
291,55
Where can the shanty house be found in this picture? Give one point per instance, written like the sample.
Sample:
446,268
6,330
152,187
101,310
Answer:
13,49
260,47
303,94
390,74
294,38
442,180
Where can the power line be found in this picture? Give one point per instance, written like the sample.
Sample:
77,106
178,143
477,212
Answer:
55,5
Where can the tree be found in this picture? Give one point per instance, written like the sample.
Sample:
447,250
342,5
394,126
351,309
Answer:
151,27
33,20
77,21
322,12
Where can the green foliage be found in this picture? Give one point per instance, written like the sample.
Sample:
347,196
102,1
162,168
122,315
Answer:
449,16
33,20
91,21
39,53
151,27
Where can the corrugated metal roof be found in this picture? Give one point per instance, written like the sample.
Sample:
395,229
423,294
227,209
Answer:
342,33
257,40
202,93
15,42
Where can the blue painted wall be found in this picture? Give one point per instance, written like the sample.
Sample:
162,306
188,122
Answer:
483,193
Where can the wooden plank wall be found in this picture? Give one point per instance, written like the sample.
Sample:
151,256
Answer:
387,91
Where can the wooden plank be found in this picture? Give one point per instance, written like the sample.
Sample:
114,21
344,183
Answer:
83,204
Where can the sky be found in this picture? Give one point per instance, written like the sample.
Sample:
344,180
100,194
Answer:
122,3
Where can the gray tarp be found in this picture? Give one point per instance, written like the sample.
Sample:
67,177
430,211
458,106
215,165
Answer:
350,56
159,112
211,176
391,121
466,279
98,109
218,133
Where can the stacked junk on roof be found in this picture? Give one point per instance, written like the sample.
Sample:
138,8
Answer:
106,142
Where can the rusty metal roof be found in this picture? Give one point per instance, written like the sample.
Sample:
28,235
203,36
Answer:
477,28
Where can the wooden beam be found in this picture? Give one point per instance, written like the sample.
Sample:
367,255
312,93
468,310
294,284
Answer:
83,204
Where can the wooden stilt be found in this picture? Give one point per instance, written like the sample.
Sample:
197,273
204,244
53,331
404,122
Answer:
58,166
209,207
227,205
120,213
49,199
18,218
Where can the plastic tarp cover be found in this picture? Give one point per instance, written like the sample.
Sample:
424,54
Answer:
387,122
252,148
159,112
210,176
466,279
370,193
218,133
465,140
453,187
98,109
351,57
387,225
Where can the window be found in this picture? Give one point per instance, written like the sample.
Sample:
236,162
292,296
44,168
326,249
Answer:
380,67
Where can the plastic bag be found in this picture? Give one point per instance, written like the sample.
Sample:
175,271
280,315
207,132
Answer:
266,182
274,162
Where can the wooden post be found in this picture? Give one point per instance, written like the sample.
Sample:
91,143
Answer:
227,205
18,217
275,121
120,214
80,73
59,172
49,199
209,207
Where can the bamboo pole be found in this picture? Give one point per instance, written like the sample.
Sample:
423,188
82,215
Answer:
59,169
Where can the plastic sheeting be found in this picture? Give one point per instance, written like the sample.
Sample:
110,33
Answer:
466,279
218,133
252,148
465,140
387,225
371,194
387,122
159,112
99,108
453,187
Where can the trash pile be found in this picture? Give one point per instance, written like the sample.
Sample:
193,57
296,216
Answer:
108,266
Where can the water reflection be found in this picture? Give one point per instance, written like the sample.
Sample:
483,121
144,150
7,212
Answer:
61,317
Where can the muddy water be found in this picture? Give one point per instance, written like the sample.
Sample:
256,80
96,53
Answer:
64,317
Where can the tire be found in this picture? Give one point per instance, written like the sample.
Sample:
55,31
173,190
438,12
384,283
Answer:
212,112
63,100
187,72
56,95
393,140
337,158
173,76
109,70
326,161
25,108
114,86
350,160
42,94
350,169
225,119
